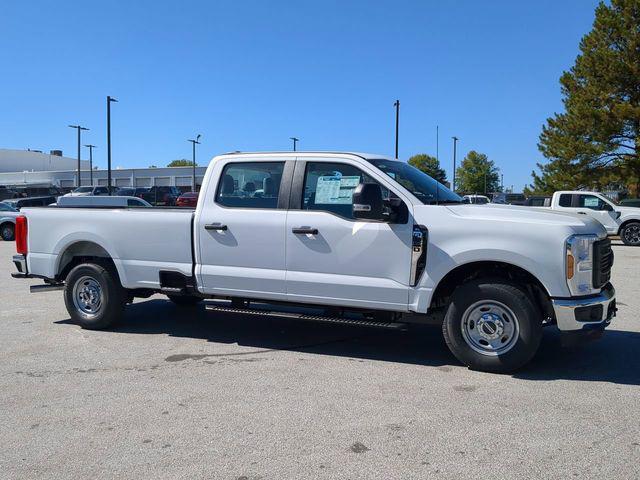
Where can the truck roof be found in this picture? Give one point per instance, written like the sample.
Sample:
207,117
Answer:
289,153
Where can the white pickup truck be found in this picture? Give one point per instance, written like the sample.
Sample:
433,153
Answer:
616,219
342,237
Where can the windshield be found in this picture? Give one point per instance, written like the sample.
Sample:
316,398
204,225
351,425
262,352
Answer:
425,188
83,190
6,208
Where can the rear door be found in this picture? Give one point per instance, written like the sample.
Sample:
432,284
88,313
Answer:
331,257
240,228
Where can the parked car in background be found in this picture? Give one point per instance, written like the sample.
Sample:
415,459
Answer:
357,234
509,198
19,203
630,202
188,199
476,199
102,201
161,195
537,201
131,191
87,191
8,216
6,192
29,191
616,219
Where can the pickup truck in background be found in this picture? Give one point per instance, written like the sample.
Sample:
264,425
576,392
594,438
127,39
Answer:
8,216
342,237
616,219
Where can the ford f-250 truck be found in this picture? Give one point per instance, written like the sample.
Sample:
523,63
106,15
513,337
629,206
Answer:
616,219
360,238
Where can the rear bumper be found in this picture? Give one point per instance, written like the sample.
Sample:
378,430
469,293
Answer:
20,261
590,313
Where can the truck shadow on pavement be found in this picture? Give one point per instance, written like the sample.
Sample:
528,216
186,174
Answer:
614,358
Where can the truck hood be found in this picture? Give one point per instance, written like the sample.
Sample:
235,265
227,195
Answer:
528,215
629,211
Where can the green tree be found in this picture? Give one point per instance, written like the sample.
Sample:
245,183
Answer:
429,165
596,139
477,174
183,162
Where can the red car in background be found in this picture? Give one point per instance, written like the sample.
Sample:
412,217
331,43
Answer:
189,199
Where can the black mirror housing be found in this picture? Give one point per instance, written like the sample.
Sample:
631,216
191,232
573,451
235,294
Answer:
367,202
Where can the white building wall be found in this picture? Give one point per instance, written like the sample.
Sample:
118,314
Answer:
25,160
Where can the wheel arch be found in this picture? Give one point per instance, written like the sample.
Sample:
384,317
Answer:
493,269
83,251
627,222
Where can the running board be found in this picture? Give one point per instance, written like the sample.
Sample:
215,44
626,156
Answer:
310,318
47,287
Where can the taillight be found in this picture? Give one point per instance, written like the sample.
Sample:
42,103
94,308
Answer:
21,234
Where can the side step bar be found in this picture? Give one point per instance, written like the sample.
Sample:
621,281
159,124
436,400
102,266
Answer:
311,318
47,287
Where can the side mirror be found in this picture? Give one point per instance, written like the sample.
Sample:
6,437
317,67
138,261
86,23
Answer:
367,202
607,207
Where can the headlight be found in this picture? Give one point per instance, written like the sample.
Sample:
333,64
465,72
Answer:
579,263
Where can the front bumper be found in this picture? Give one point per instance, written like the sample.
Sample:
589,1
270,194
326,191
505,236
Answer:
588,313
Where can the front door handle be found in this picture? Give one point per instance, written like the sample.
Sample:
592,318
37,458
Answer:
305,231
215,226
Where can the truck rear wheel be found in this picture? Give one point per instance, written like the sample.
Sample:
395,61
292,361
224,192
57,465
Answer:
93,296
492,325
630,234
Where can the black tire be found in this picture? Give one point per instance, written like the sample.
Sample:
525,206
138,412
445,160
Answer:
525,329
8,232
89,281
630,234
185,300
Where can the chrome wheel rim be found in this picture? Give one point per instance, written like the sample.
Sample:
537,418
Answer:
490,327
88,296
632,233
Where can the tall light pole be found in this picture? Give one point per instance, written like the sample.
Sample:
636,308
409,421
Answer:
109,100
194,142
397,105
502,182
79,129
295,142
455,142
90,147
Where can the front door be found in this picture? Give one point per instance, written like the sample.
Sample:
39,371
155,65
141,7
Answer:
335,259
599,209
240,233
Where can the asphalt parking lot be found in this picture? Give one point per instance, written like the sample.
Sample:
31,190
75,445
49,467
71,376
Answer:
175,393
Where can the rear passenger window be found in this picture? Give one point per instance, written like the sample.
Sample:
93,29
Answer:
250,185
565,200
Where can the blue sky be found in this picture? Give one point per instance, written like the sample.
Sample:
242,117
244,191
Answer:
249,75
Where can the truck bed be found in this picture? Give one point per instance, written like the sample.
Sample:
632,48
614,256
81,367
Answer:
141,241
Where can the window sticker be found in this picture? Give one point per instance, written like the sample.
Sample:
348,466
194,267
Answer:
591,202
335,189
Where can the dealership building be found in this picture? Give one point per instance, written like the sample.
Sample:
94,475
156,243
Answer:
29,167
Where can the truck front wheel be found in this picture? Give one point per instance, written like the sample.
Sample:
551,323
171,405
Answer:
630,234
492,325
93,296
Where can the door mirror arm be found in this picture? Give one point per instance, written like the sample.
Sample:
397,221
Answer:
367,202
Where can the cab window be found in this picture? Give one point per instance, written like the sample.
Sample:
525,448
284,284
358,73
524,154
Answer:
591,202
250,185
329,187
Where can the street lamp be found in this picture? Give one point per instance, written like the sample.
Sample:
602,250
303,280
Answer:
295,141
194,142
455,142
109,100
90,147
79,129
397,105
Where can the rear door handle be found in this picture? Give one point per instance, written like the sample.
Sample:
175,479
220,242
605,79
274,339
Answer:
305,231
215,226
